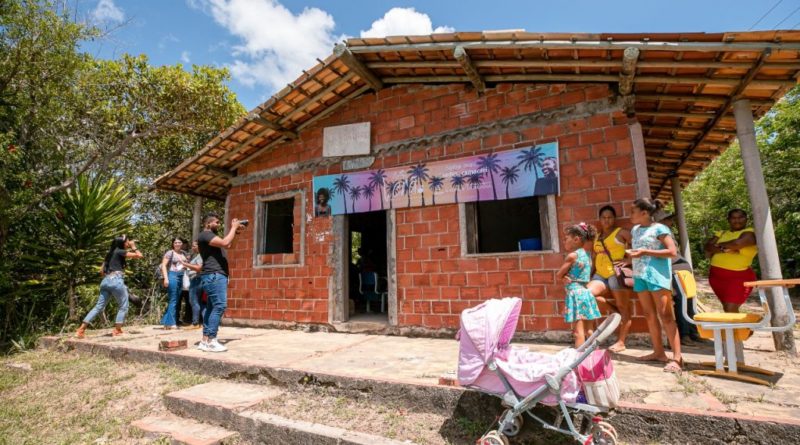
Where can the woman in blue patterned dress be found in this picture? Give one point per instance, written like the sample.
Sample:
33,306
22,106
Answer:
581,306
652,253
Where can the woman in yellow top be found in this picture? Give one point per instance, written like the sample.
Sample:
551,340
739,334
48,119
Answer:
612,240
732,252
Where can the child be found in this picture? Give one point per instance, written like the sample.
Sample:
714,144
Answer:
653,249
575,273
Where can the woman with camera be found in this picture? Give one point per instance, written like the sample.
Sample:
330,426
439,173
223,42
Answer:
172,270
113,283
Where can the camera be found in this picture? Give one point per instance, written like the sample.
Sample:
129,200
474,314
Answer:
244,222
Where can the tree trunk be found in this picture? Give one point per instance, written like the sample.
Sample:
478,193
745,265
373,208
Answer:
71,300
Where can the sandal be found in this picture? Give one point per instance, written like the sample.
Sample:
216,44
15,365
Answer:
674,367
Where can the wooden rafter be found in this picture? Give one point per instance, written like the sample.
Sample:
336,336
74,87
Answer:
273,125
346,56
723,110
469,69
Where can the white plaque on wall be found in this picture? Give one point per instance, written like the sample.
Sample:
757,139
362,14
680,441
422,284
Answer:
346,140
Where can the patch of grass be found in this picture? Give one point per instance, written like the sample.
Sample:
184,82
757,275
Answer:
470,427
688,385
70,398
180,379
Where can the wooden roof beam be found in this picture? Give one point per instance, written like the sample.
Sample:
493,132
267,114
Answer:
272,125
629,58
349,59
723,110
469,69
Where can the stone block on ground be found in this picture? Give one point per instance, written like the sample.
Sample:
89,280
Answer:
172,345
185,431
227,395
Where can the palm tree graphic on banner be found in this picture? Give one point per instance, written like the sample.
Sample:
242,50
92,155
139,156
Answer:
355,195
491,164
436,183
418,175
509,175
392,189
476,181
377,180
369,192
457,183
530,159
341,186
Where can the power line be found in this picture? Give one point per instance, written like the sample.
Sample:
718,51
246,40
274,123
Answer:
765,14
787,17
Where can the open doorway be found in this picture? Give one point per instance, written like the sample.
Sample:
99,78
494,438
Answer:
367,267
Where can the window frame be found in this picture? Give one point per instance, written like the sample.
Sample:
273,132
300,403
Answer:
547,219
260,220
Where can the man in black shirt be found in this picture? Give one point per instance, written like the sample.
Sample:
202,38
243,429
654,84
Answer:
214,278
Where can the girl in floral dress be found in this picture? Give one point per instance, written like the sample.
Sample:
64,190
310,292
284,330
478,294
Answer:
581,306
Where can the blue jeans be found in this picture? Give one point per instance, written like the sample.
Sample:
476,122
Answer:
194,298
112,285
174,292
216,287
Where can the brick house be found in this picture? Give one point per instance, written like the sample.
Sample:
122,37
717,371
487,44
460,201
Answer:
632,115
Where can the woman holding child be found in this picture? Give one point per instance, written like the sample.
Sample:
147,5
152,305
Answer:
652,253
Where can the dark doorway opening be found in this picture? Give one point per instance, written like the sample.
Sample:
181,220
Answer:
367,267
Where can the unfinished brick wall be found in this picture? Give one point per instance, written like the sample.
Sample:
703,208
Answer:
434,282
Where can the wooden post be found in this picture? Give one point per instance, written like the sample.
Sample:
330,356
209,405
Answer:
680,215
762,218
197,217
639,159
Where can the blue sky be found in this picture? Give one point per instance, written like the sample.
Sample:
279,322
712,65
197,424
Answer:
265,43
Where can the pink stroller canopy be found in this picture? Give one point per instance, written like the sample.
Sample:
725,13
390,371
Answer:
485,330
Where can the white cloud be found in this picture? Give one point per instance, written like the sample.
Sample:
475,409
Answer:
185,57
276,44
107,12
403,21
167,40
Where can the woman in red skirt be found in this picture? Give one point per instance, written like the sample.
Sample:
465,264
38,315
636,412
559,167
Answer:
732,252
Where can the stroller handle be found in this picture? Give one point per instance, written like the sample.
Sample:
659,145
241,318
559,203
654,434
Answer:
608,326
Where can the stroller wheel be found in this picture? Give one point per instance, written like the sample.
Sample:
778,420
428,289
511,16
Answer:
604,434
513,428
493,437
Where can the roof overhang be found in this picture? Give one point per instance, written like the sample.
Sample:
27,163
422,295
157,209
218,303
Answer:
680,87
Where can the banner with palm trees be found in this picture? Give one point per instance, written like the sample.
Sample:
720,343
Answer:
529,171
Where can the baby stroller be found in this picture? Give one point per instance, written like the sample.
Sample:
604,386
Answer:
522,379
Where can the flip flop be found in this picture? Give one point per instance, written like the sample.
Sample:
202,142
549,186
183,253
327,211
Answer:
673,366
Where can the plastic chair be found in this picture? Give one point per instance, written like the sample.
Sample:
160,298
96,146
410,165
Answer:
368,288
730,330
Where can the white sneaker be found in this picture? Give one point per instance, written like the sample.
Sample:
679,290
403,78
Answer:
215,346
203,346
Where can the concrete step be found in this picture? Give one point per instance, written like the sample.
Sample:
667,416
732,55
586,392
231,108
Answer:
184,431
234,406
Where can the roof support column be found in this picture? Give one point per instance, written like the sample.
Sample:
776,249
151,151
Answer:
680,214
639,159
629,58
197,217
765,234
